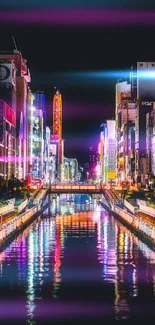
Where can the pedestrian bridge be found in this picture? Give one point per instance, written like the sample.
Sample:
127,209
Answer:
76,188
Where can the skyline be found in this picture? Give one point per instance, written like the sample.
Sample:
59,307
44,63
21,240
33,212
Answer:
71,58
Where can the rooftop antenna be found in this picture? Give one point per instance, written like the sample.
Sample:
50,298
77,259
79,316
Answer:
14,43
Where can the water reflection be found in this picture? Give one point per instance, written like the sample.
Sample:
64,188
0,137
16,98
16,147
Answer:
76,254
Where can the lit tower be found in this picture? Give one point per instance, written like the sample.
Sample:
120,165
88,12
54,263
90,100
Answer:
57,114
57,127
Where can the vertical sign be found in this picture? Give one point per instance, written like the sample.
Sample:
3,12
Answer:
1,121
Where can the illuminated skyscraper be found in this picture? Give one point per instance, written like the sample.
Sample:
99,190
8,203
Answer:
40,104
143,89
37,144
57,114
123,95
109,151
57,128
93,161
7,118
7,140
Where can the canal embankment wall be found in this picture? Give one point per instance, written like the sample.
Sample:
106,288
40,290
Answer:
11,228
132,220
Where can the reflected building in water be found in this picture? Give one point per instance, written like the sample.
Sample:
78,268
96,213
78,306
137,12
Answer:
103,250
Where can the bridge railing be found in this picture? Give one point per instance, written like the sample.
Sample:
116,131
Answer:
75,187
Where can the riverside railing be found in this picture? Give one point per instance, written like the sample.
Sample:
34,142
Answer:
137,223
7,208
130,207
21,206
16,223
145,208
40,196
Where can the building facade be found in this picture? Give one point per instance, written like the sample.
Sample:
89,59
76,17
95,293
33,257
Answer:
109,151
7,141
57,129
15,94
70,170
37,144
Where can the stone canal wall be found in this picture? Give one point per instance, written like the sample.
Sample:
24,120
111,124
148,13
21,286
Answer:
21,206
145,208
137,223
16,223
13,226
130,207
7,208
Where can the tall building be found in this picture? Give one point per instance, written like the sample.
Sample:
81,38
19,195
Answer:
70,170
101,153
37,144
143,81
57,128
53,157
14,91
109,151
40,104
140,93
47,157
123,94
131,153
94,158
126,120
7,118
30,133
7,141
57,114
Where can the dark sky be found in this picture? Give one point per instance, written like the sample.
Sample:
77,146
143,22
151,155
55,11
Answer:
72,56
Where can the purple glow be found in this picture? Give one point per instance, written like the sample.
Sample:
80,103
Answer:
78,17
17,309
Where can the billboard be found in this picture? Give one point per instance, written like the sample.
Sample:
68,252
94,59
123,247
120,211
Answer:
7,73
146,81
1,121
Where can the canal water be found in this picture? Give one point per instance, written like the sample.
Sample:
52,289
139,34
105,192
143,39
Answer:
74,264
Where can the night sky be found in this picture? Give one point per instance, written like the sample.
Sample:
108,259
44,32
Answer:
74,47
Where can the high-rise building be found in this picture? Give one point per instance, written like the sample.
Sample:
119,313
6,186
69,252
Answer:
40,104
143,81
141,93
109,151
57,114
53,153
47,157
94,158
101,152
57,128
7,140
14,91
126,120
30,132
131,153
70,170
149,136
123,95
7,118
142,108
143,89
37,144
